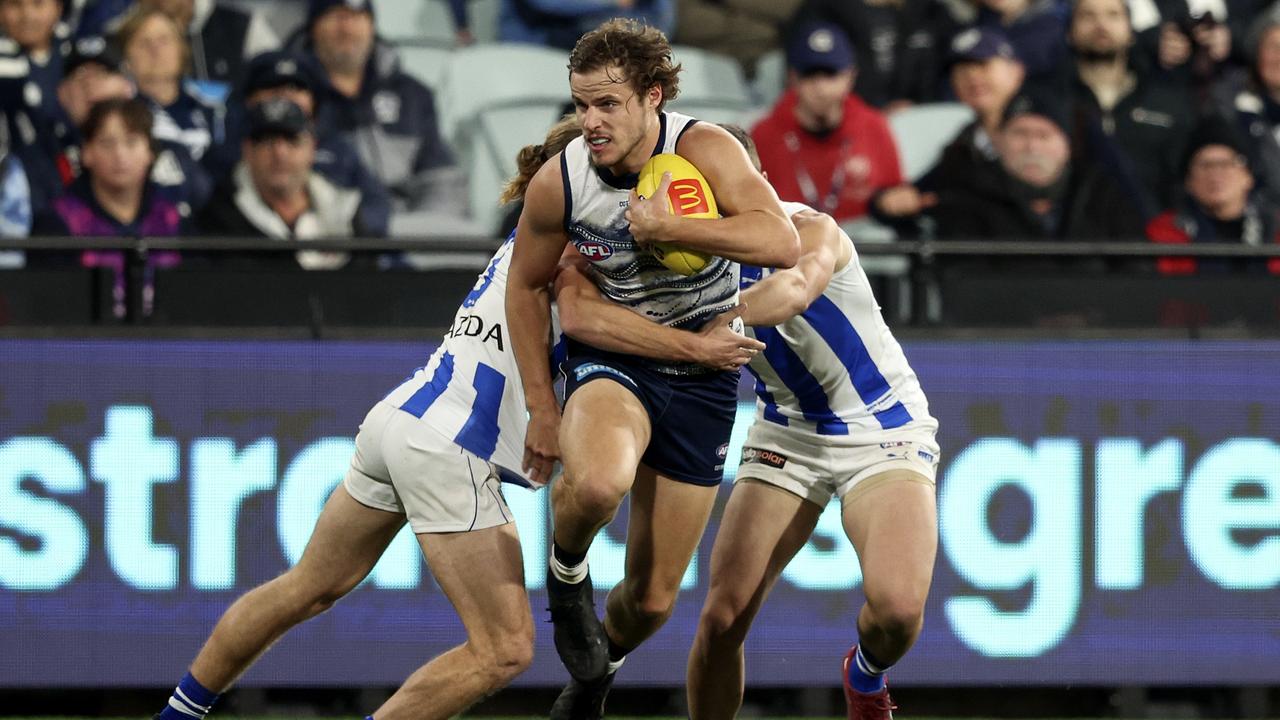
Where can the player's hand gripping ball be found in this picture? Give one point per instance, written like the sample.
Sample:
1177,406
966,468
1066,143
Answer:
689,195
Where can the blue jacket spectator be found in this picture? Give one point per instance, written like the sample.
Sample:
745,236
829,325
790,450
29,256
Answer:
15,208
222,38
32,51
284,74
156,56
559,23
386,114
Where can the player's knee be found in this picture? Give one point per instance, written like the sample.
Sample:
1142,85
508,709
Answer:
653,604
597,497
502,661
725,619
899,615
314,595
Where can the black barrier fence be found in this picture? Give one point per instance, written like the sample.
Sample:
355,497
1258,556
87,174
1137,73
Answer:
240,282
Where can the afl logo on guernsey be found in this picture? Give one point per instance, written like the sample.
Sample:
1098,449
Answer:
593,250
687,197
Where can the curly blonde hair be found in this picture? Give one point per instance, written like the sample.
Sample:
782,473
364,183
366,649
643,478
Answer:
640,51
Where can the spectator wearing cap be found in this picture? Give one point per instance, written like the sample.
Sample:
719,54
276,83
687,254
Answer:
114,197
900,45
821,144
285,74
1145,115
985,74
1037,31
32,51
220,36
1039,189
559,23
1220,205
275,192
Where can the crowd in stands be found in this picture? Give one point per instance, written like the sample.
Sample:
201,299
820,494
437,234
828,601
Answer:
1089,119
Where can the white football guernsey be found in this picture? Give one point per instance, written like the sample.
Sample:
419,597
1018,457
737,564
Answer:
595,203
470,390
836,365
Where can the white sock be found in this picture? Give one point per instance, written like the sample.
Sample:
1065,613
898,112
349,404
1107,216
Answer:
564,573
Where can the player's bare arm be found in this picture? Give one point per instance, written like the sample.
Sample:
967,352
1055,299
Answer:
824,249
586,316
755,228
540,239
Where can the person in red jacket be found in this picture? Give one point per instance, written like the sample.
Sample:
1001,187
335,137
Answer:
1220,204
821,144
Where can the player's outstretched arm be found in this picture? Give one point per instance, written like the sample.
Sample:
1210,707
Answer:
539,241
754,230
787,293
586,316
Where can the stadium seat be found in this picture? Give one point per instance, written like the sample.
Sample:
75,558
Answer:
923,131
426,63
771,77
498,75
499,135
483,16
423,21
895,268
711,86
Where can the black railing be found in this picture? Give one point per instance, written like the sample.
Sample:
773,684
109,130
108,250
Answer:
418,283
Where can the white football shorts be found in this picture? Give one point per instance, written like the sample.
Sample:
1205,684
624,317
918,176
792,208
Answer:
405,466
816,467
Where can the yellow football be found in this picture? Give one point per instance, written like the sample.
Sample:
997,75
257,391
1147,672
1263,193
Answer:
688,196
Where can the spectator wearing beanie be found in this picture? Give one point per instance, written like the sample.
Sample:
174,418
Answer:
1040,189
1220,206
821,144
388,116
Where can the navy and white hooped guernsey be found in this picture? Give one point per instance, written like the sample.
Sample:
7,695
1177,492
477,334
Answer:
836,365
595,203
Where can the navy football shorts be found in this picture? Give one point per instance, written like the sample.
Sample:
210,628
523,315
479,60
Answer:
691,416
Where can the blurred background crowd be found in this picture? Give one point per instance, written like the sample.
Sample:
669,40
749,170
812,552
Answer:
940,119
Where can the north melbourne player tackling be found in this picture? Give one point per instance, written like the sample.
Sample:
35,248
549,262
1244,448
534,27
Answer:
657,430
432,452
840,412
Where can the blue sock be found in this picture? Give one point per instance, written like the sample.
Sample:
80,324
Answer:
190,700
866,674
